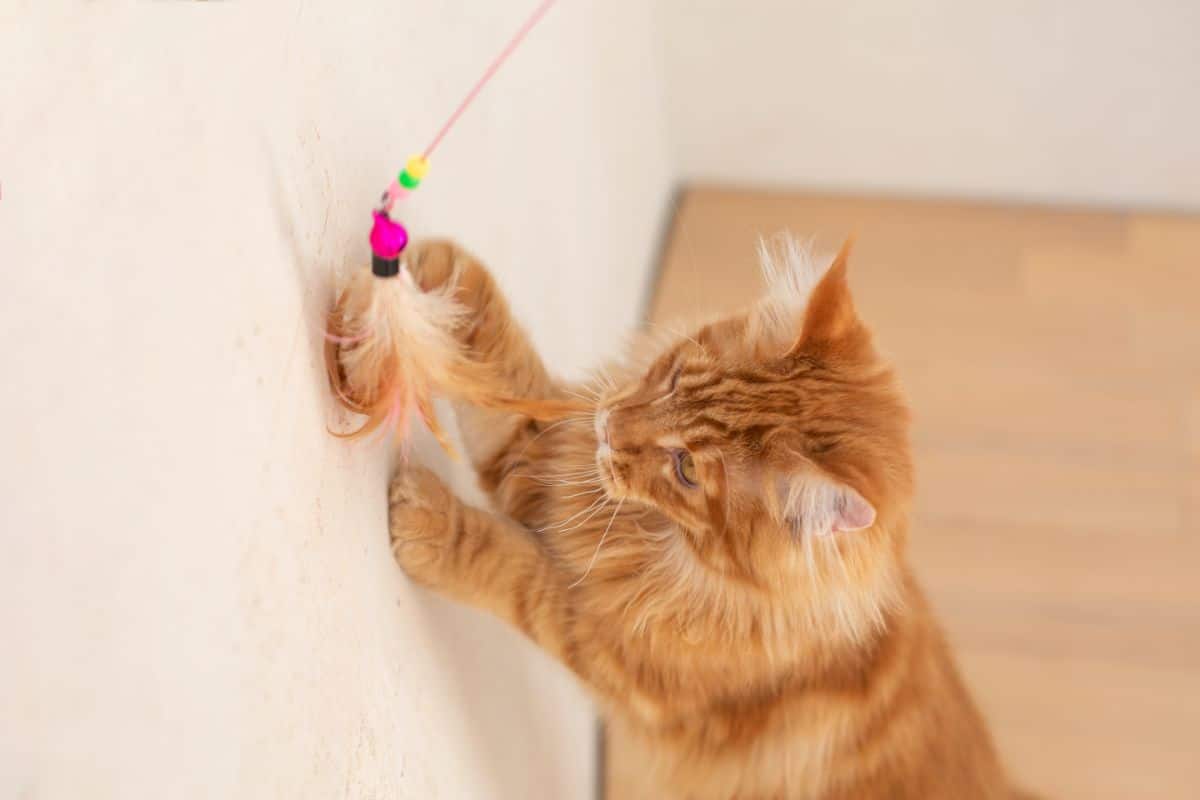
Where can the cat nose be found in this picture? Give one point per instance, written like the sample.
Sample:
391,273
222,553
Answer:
620,430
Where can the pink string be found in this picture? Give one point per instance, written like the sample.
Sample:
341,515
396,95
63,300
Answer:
492,69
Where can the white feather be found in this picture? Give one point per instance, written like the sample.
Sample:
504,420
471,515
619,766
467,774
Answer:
412,329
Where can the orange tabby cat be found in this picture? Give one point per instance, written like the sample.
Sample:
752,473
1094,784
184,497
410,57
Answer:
717,552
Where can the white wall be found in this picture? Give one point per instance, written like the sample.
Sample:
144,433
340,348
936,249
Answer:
196,594
1069,100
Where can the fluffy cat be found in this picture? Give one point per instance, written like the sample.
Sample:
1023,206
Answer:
717,549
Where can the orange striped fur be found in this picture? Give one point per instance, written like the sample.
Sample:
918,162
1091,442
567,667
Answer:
757,635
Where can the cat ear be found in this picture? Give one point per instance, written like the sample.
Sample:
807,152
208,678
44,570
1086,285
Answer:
814,505
829,314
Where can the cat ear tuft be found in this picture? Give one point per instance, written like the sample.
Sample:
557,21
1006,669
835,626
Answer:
830,313
814,505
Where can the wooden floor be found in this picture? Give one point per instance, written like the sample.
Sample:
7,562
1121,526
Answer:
1052,359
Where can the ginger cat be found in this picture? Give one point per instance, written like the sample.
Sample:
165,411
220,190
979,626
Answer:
717,550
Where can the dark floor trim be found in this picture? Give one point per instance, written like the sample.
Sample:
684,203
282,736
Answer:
666,227
601,760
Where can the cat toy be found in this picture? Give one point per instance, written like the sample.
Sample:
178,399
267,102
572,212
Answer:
390,345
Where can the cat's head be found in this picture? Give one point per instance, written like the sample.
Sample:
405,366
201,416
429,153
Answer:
761,433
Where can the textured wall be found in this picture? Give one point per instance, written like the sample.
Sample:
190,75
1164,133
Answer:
196,595
1066,100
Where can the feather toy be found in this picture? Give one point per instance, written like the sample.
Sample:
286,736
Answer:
391,346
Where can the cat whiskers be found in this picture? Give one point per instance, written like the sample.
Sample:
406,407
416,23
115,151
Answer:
550,482
584,475
596,554
588,518
587,392
548,428
583,397
579,466
584,492
606,382
595,504
595,388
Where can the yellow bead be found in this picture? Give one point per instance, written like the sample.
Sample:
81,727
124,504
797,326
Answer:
417,167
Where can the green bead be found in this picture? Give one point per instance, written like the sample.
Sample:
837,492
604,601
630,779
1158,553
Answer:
408,181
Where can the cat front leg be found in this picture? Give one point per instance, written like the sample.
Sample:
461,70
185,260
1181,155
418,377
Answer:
491,336
475,557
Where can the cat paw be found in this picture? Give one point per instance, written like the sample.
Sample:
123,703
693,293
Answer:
422,516
437,264
433,263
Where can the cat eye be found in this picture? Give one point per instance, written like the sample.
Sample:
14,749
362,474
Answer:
674,380
685,469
